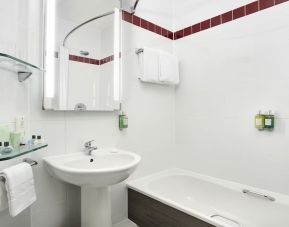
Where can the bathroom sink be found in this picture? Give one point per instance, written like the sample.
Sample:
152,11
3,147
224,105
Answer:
95,174
102,168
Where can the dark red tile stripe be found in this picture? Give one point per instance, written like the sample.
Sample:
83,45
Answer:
130,18
91,60
242,11
264,4
252,8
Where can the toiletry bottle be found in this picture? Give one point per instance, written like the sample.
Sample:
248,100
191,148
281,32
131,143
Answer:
38,141
7,149
30,142
269,121
260,121
20,127
15,138
123,121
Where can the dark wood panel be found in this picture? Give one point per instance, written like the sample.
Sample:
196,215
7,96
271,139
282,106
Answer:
147,212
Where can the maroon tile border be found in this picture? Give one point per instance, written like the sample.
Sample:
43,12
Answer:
91,60
234,14
130,18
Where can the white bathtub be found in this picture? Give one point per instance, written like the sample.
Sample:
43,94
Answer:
215,201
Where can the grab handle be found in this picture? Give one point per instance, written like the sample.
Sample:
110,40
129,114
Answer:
256,194
229,219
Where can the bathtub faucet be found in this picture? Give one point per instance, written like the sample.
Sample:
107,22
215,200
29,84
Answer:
89,148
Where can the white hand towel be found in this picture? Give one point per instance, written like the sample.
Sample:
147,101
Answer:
3,197
169,69
20,187
149,65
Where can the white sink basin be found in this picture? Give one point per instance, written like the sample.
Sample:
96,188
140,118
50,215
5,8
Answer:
94,173
103,168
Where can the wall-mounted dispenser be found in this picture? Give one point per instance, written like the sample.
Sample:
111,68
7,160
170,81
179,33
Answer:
123,121
260,121
265,121
269,121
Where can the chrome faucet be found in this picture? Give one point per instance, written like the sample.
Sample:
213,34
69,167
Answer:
89,148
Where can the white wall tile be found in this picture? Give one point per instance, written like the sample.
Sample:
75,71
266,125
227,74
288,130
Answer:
227,75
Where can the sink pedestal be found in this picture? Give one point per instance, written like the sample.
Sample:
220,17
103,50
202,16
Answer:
95,207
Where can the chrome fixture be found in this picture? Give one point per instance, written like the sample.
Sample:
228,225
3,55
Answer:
256,194
133,8
80,107
139,51
84,23
27,160
84,53
229,219
89,148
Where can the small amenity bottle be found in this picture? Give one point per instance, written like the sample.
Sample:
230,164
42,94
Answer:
260,121
123,121
30,142
269,121
7,148
38,141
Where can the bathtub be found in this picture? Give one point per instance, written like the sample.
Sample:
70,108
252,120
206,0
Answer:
214,201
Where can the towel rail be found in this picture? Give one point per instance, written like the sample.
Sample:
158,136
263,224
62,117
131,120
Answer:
139,51
27,160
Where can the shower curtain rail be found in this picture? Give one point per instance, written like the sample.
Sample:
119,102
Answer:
84,23
133,8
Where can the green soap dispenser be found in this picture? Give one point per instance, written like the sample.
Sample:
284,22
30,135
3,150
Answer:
260,121
123,121
269,121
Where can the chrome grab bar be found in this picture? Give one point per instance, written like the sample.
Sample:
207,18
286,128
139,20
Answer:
229,219
256,194
27,160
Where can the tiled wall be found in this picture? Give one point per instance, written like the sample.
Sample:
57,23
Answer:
91,60
226,17
137,21
228,74
58,204
223,18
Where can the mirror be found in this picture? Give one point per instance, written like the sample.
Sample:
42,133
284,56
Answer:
82,55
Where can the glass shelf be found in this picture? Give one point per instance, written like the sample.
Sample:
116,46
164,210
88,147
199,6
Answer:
22,68
22,151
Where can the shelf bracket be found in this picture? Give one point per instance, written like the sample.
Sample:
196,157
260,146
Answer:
22,76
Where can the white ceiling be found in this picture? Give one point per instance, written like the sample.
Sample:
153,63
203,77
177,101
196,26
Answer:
79,11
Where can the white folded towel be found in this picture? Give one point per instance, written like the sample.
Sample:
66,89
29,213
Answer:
20,187
169,68
149,65
3,197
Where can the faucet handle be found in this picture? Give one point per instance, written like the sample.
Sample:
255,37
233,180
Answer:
88,144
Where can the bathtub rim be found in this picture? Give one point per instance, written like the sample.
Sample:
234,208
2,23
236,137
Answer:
141,185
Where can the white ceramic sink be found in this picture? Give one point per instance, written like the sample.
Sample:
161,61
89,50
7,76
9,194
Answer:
94,173
103,168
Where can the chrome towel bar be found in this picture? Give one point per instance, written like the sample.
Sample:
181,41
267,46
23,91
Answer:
27,160
256,194
139,51
229,219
